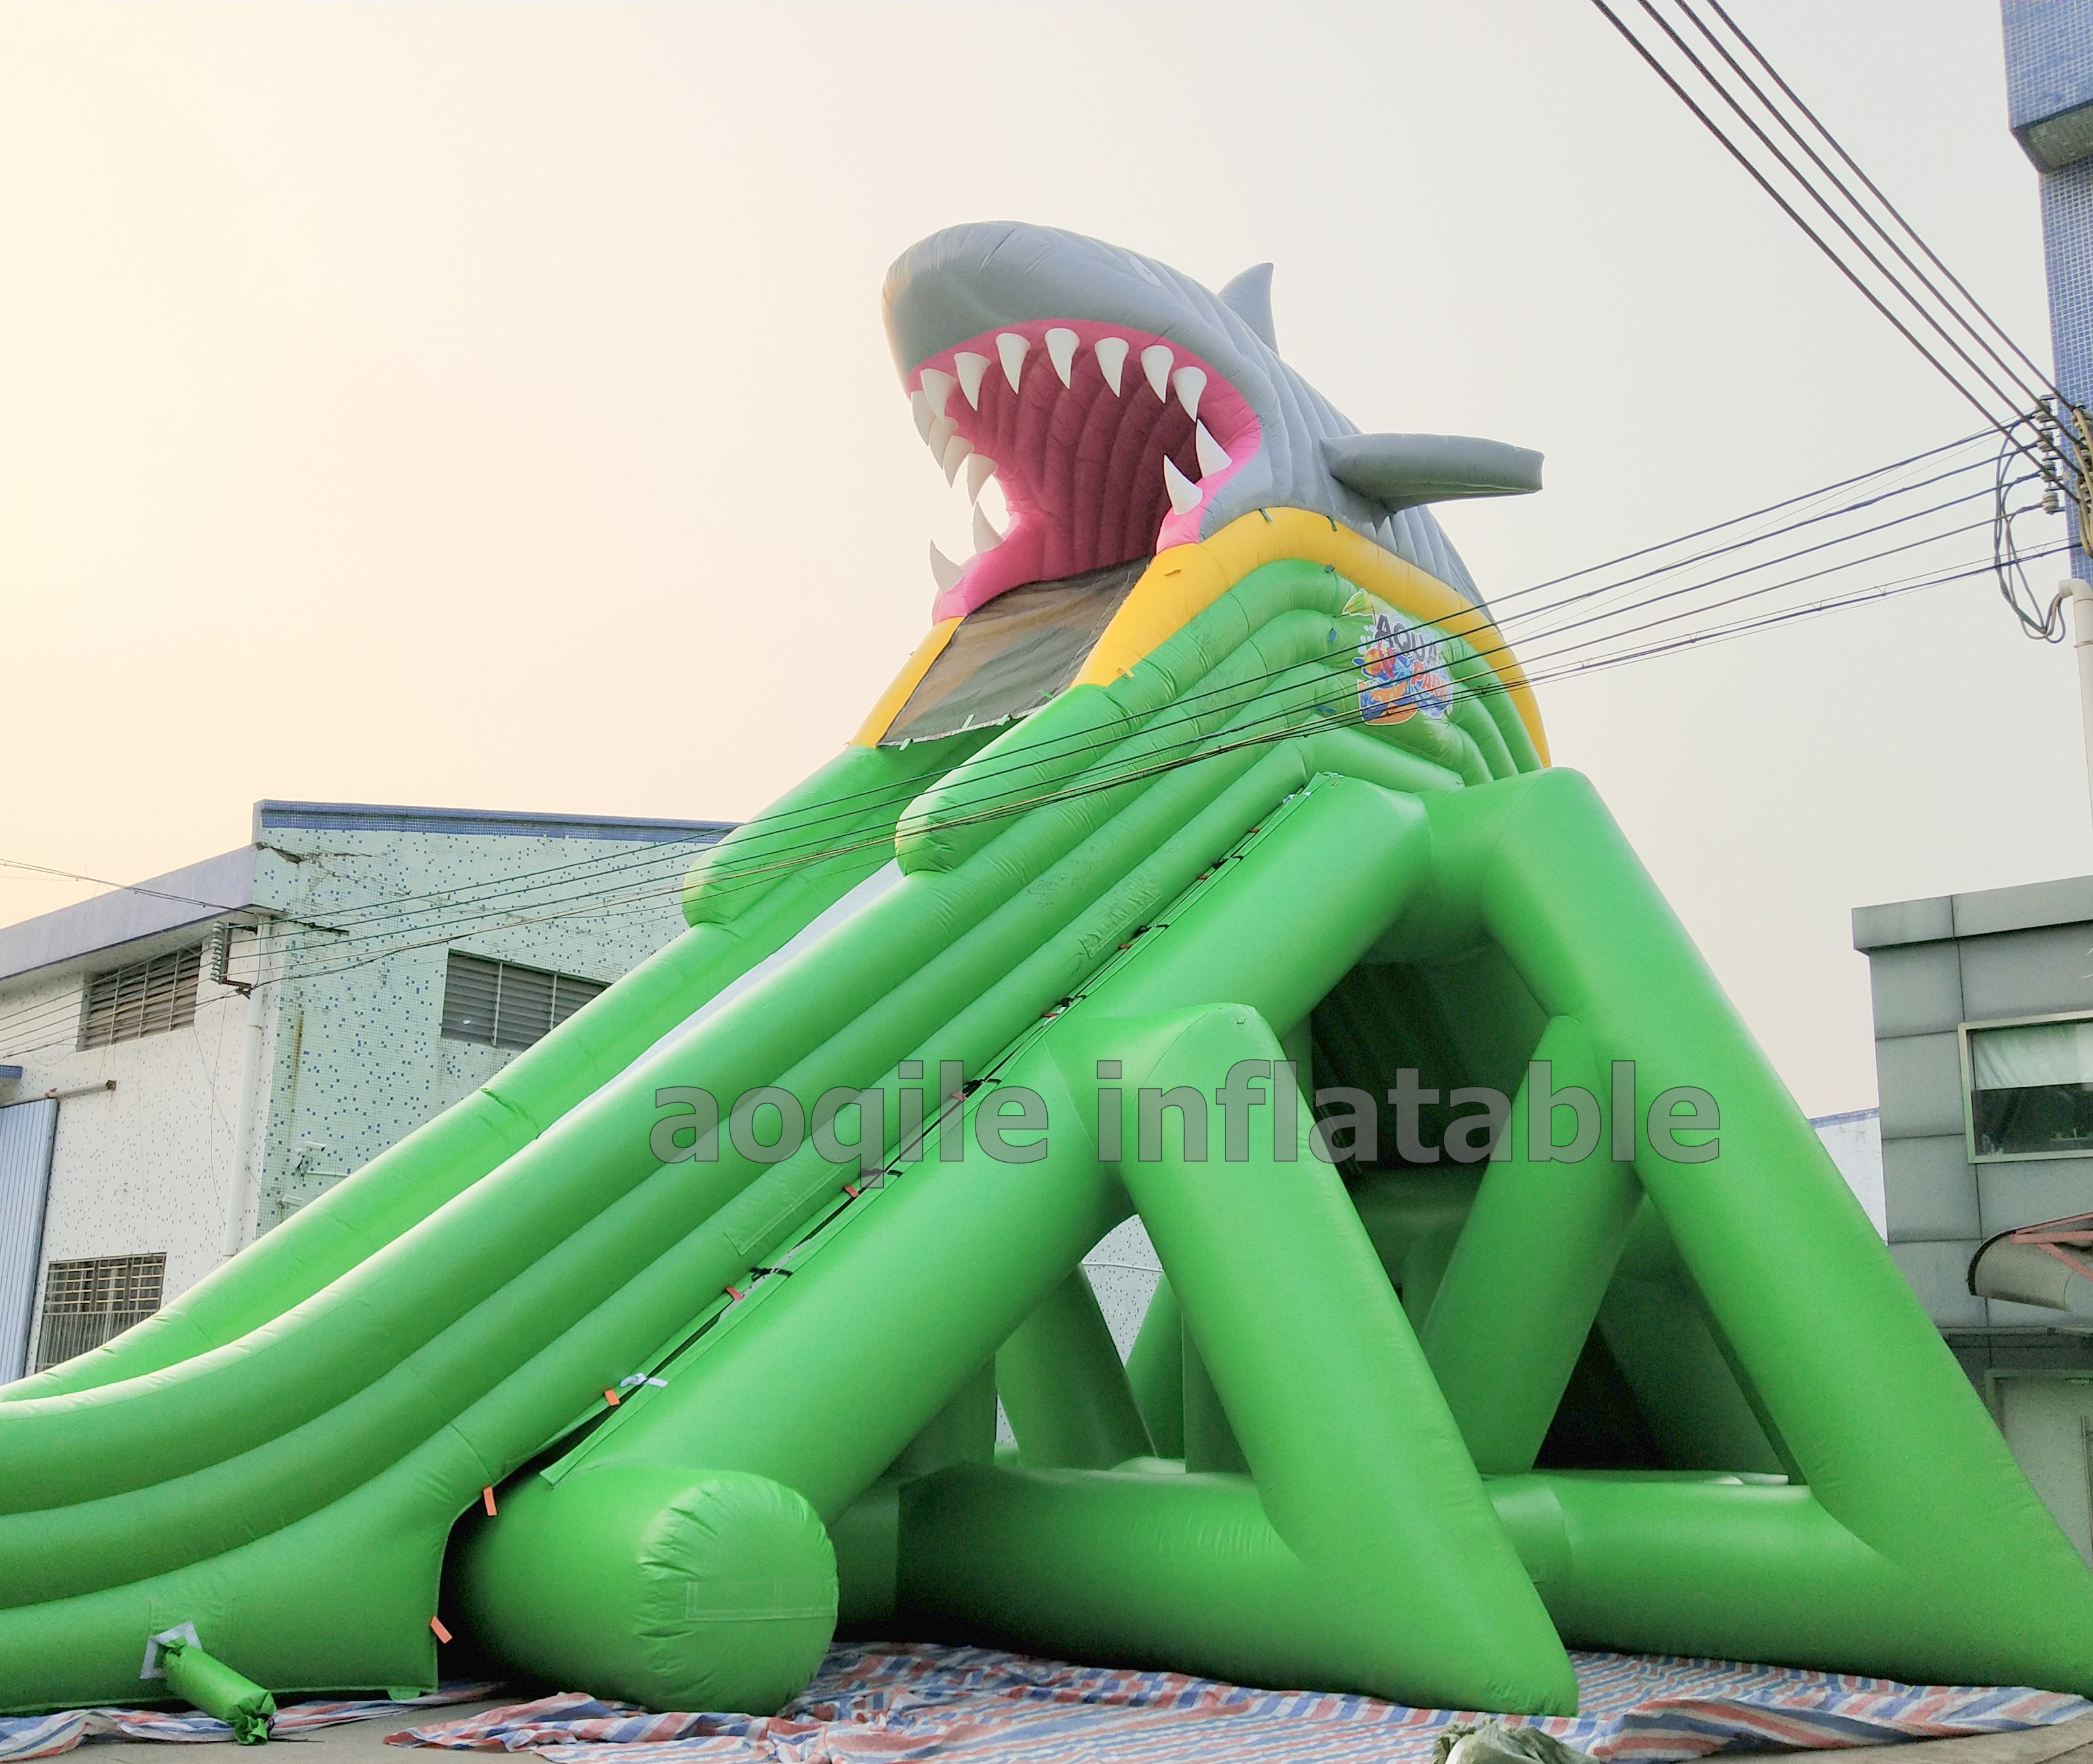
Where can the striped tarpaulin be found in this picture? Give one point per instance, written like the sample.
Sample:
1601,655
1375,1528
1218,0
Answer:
886,1701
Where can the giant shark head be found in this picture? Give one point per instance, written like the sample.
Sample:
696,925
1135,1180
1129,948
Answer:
1123,408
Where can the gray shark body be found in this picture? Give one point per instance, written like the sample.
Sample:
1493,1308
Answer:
990,290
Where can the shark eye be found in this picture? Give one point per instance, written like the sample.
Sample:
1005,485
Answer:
1103,443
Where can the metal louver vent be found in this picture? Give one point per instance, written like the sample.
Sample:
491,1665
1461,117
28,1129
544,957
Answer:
498,1004
144,998
86,1304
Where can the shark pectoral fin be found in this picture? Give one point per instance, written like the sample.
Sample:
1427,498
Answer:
1249,296
1401,471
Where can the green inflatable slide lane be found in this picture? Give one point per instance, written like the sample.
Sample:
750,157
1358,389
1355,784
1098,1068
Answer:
1392,1426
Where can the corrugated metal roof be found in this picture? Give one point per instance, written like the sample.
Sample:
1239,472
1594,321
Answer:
26,1130
190,895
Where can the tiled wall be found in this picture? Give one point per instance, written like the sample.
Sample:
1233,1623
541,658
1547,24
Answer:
355,1058
2049,71
352,1056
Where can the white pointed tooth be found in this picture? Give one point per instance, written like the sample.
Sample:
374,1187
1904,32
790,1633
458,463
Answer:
919,408
1213,456
938,388
1012,349
1188,382
985,536
1111,359
971,366
943,571
955,455
1155,361
939,434
980,469
1184,493
1061,351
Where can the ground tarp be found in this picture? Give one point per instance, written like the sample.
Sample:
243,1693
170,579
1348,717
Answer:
889,1701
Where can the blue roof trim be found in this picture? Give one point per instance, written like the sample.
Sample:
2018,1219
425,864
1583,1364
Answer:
1839,1120
484,823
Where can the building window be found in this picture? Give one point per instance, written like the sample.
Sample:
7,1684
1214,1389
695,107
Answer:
2030,1087
500,1005
144,998
86,1304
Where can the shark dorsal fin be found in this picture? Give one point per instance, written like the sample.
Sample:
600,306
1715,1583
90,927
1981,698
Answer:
1402,471
1248,296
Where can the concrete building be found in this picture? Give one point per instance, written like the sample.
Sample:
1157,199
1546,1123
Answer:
1983,1014
184,1062
2049,108
1855,1141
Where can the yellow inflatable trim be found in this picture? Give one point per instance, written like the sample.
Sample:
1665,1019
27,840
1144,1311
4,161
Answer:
1186,579
911,676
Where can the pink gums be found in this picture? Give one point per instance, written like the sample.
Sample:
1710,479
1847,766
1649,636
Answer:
1080,468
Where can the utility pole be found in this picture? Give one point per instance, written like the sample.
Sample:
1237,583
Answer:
2049,107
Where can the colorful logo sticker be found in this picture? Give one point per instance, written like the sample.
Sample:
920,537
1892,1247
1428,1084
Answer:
1401,673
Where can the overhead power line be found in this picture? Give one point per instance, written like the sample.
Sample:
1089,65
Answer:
1554,650
1733,91
1895,213
1662,565
495,902
1856,229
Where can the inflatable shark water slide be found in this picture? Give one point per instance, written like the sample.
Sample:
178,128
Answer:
1212,811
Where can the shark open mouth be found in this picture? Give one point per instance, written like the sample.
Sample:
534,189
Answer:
1107,442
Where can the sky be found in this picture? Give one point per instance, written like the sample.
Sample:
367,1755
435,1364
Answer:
488,405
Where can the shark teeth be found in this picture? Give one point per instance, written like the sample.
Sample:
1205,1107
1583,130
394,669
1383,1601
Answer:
1061,351
1111,359
1155,361
1016,503
1184,494
1012,349
971,367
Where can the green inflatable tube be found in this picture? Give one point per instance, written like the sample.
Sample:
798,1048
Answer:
1064,1388
214,1687
1155,1370
711,1590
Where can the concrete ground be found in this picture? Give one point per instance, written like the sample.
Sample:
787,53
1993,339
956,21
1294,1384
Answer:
2064,1742
354,1742
363,1742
